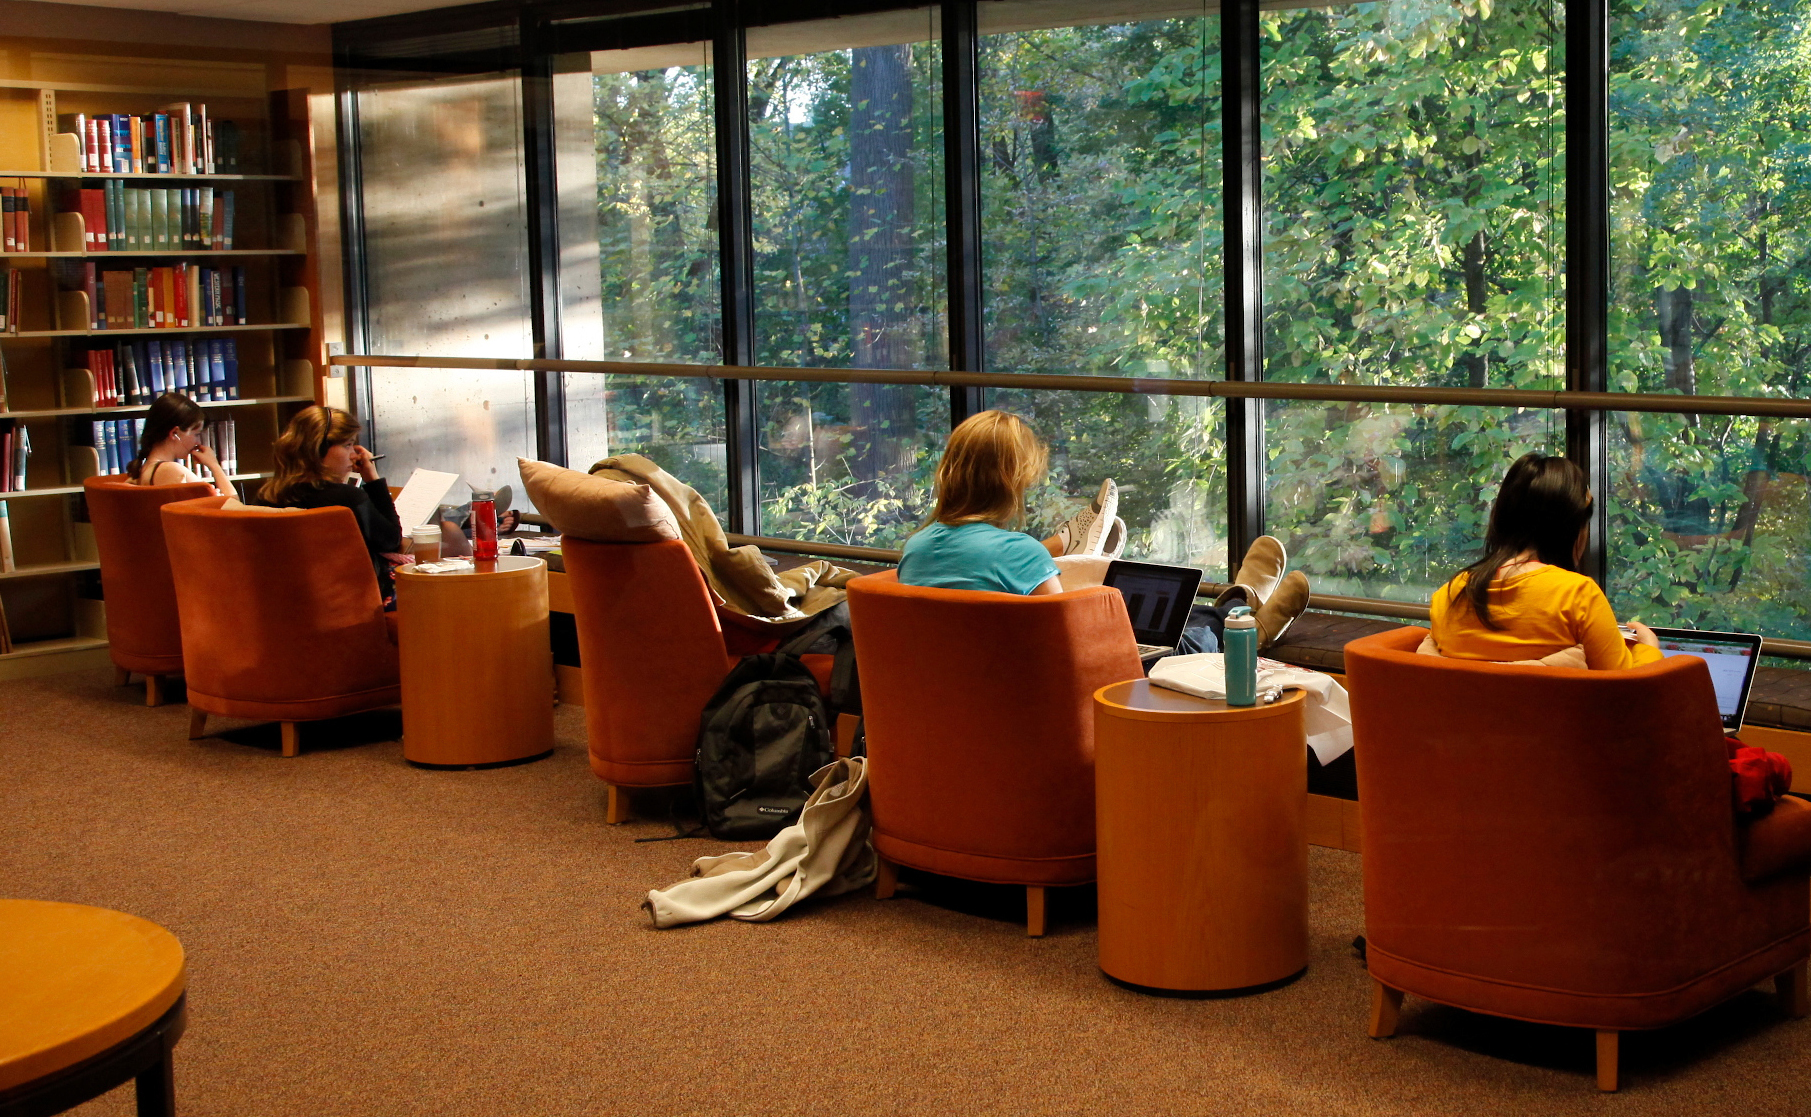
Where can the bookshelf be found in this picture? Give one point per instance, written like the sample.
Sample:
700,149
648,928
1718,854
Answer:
51,602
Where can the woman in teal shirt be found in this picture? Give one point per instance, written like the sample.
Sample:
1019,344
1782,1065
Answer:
992,458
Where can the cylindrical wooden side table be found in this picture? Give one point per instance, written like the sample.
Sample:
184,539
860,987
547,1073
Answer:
1200,849
477,664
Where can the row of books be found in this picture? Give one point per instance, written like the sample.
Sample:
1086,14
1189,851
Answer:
181,296
15,203
117,443
133,373
121,218
176,139
15,452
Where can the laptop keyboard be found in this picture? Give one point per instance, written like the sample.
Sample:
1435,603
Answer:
1146,650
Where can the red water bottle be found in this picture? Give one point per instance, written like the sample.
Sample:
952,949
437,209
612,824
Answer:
484,525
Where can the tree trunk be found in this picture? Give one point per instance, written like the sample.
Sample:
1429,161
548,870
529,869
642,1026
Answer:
1674,314
881,299
1476,363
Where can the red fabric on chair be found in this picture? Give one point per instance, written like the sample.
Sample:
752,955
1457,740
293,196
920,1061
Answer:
1558,845
280,615
980,724
144,633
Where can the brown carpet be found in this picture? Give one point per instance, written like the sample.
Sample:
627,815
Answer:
369,938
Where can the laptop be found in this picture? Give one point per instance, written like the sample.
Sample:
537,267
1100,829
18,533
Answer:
1732,656
1158,598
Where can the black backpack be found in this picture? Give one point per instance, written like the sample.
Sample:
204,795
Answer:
767,729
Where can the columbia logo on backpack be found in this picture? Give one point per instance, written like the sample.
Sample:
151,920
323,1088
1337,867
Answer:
767,729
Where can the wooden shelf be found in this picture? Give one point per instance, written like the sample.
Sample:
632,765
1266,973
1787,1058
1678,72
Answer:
130,408
70,490
150,177
52,647
158,331
46,568
173,252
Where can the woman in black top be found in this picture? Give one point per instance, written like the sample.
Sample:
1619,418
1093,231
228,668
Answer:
316,459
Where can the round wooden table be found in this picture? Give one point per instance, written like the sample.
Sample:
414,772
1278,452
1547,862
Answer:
477,664
88,998
1201,855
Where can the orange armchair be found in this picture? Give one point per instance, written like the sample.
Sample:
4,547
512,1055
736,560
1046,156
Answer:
652,652
143,632
1560,846
980,727
280,616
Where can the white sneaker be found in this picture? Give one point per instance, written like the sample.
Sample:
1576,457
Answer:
1085,533
1115,543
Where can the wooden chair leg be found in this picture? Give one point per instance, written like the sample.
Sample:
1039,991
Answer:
121,676
198,724
292,739
153,690
616,805
1794,990
1386,1009
886,878
1607,1048
1034,911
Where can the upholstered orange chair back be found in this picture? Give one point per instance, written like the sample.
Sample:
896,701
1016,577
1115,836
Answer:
980,725
651,651
143,632
1556,845
280,615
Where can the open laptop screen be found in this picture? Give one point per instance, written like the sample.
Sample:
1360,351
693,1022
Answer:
1158,597
1732,657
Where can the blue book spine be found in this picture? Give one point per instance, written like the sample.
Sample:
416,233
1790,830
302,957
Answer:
230,353
217,368
226,223
172,353
99,441
109,448
154,357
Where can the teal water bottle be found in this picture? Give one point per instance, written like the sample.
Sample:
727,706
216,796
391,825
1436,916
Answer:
1240,639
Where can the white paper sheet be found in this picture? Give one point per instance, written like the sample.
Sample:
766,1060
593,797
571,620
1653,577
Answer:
425,492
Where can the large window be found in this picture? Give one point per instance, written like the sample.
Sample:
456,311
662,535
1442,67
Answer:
1710,295
1413,236
821,193
639,274
845,123
1101,248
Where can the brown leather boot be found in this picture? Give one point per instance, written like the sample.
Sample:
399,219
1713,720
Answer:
1262,568
1281,608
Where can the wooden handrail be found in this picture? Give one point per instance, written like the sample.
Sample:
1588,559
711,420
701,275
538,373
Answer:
1653,402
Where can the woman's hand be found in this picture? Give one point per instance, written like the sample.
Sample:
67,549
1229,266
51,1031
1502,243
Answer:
204,454
1644,634
361,461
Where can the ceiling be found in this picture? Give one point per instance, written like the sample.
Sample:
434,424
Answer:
278,11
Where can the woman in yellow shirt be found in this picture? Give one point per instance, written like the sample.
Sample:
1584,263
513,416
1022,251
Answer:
1525,598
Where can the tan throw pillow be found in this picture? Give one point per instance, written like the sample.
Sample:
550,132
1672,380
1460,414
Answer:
595,508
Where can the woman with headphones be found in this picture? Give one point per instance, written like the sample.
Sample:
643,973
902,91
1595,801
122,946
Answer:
315,461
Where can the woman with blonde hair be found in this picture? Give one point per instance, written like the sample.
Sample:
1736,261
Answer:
315,460
991,460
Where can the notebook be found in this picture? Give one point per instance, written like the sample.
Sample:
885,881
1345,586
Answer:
1732,656
1158,598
